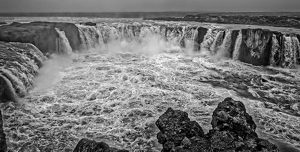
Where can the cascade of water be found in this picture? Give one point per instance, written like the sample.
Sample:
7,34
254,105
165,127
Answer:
209,39
218,40
195,37
275,51
63,45
296,49
236,51
101,38
89,36
182,40
223,50
289,50
22,61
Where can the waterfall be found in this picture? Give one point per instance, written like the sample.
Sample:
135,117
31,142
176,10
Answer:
209,40
224,49
298,52
195,42
218,40
213,41
238,43
63,45
89,36
22,61
182,41
296,48
289,54
275,56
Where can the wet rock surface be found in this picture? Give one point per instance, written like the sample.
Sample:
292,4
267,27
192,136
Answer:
89,24
42,34
255,47
232,130
3,146
86,145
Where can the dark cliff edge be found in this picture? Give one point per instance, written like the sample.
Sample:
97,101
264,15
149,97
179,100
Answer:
233,129
43,35
19,64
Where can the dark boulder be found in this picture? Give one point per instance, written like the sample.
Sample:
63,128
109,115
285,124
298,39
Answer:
176,130
3,146
86,145
233,130
231,115
89,24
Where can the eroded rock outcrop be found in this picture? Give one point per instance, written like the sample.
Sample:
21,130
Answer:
232,130
89,24
86,145
3,146
19,64
255,46
42,34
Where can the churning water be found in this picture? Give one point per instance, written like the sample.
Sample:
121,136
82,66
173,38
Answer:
116,89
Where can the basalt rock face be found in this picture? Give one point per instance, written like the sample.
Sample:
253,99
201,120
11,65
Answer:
255,47
201,32
43,35
232,130
86,145
19,64
178,133
265,47
89,24
3,146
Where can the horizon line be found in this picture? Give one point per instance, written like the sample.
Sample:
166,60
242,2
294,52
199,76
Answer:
161,12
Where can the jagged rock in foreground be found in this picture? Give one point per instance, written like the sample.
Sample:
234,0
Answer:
86,145
233,130
3,146
19,64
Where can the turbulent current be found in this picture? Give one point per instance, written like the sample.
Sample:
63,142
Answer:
127,74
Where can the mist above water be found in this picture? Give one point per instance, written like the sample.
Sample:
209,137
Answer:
150,44
51,72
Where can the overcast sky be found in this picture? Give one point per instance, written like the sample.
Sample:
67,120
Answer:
146,5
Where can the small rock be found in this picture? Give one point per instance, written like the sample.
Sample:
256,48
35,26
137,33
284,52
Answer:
86,145
90,24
